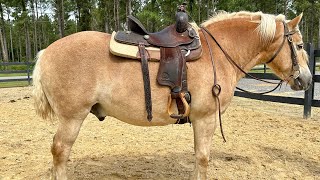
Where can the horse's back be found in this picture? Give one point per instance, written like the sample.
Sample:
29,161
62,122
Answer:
91,43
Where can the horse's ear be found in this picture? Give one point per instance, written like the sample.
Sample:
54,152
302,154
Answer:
295,22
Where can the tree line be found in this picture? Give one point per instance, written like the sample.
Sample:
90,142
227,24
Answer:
27,26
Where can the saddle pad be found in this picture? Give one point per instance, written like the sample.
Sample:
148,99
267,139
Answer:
131,51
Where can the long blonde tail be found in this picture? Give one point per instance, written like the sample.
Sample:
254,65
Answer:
41,103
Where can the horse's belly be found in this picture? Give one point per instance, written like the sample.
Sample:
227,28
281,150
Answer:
123,97
132,110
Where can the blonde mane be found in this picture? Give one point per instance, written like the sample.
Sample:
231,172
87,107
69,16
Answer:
267,22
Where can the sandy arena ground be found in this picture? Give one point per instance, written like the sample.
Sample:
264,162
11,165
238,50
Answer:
264,141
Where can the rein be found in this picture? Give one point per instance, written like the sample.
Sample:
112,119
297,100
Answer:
216,89
238,67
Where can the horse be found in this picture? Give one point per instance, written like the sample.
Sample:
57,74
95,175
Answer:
77,75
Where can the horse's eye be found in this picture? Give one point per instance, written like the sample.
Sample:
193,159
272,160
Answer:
300,46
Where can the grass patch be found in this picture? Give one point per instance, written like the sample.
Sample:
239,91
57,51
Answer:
14,84
260,71
13,74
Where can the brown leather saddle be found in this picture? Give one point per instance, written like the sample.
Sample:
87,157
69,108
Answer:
178,43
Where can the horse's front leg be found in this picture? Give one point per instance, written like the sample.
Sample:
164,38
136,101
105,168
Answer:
203,131
63,140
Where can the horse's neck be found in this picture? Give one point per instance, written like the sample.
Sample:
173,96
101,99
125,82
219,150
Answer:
241,41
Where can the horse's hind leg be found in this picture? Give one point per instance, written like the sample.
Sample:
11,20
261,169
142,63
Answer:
203,132
63,140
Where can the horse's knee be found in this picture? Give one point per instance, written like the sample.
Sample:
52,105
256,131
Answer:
202,160
201,166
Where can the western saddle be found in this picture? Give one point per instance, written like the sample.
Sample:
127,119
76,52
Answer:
178,43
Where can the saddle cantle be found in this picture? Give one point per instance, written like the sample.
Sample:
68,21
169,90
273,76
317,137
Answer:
173,47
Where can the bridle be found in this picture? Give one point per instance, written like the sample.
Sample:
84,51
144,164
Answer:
295,65
287,35
294,58
216,89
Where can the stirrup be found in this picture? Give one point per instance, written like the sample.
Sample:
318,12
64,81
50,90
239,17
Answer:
185,104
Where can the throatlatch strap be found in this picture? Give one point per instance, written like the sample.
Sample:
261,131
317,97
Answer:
146,79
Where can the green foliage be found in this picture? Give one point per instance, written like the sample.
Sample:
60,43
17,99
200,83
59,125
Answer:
15,67
40,24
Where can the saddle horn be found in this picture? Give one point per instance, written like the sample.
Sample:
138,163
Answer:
182,19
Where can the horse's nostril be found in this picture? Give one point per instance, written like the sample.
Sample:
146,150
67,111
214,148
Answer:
298,81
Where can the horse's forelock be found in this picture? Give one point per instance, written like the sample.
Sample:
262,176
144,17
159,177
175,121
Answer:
267,22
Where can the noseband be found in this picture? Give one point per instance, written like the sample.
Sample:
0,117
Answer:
295,65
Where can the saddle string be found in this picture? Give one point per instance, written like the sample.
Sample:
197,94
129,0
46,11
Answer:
216,89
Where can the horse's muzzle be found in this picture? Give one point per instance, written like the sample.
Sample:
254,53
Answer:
303,82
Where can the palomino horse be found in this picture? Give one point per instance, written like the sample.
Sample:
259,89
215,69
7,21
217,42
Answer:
77,74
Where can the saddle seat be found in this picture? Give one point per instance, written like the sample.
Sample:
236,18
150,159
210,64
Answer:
172,47
168,37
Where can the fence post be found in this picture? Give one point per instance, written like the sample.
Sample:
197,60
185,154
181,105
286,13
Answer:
308,95
28,72
264,70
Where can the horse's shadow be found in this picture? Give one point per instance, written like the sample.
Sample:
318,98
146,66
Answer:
124,166
293,157
176,166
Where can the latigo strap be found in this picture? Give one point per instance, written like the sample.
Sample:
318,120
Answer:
146,79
